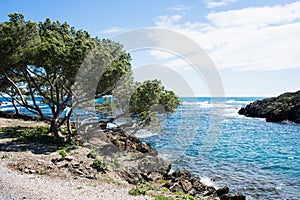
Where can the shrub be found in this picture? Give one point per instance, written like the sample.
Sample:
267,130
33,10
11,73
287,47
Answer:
92,154
63,153
162,197
137,192
101,165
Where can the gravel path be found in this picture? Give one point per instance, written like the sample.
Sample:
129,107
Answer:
22,186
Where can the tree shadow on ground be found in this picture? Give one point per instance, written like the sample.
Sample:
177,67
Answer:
11,132
12,140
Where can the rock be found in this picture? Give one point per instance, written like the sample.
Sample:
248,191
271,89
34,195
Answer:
154,164
181,175
224,190
119,139
186,185
26,170
69,158
50,167
79,172
131,178
32,171
40,162
75,165
154,176
91,176
175,187
197,185
285,107
209,190
232,197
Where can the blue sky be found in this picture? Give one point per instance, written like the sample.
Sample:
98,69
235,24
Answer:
254,44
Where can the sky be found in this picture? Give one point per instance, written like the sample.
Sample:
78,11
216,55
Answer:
254,45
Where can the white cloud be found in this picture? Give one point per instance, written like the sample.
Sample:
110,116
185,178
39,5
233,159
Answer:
213,4
112,30
180,8
166,21
262,38
262,16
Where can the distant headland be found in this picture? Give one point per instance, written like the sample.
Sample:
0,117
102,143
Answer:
285,107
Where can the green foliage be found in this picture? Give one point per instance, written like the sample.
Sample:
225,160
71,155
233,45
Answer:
92,154
137,192
188,197
101,165
63,153
111,181
164,189
45,59
40,134
142,189
5,156
180,193
151,97
162,197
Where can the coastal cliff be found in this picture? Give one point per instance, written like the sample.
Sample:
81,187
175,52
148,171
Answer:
285,107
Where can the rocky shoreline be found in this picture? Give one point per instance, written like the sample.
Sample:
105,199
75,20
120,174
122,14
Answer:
138,164
160,171
285,107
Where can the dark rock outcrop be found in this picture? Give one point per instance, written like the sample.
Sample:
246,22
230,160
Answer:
130,143
275,109
232,197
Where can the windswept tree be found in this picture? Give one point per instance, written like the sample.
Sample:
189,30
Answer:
41,62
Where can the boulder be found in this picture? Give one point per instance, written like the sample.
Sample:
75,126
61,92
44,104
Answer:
224,190
181,175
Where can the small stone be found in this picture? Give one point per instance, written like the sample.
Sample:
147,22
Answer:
91,176
75,165
154,176
176,188
79,172
69,158
32,171
40,162
26,170
50,167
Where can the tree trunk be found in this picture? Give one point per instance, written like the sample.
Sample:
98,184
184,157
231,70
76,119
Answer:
54,127
16,108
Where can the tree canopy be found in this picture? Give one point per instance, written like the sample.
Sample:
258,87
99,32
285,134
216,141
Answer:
40,62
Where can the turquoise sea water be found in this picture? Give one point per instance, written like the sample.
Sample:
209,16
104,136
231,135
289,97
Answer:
251,156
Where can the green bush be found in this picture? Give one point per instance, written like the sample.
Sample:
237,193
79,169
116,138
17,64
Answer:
63,153
137,192
92,154
162,197
101,165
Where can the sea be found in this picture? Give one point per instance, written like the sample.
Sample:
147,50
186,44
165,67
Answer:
208,137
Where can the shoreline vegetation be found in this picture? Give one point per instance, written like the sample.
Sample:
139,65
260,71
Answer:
137,173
